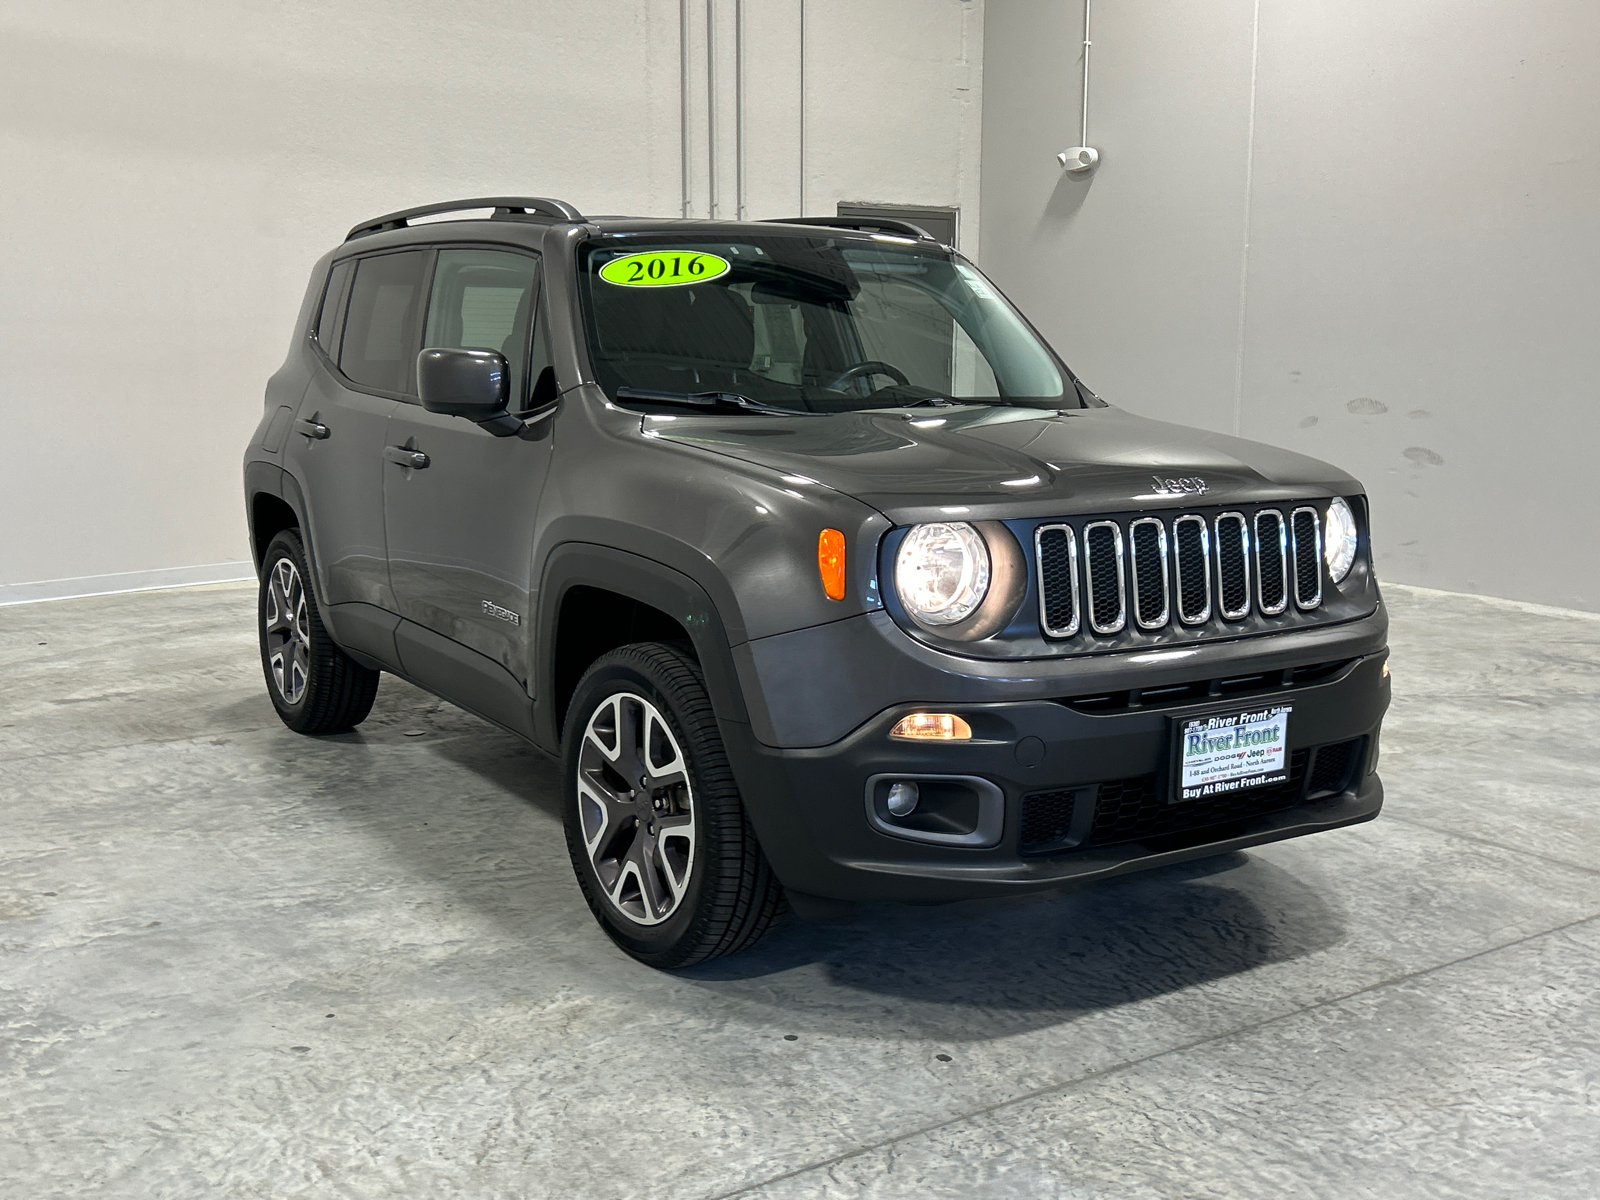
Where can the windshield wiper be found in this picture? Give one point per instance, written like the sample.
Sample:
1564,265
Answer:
731,400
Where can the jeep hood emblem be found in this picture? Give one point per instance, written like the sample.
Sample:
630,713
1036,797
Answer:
1190,485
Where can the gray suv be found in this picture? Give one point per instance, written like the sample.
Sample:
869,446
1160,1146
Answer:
821,572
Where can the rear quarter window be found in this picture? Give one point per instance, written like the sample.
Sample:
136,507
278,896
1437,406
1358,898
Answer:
329,324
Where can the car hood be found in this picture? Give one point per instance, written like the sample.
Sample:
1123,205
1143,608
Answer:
995,462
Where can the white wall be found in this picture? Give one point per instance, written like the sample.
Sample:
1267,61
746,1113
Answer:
171,171
1368,230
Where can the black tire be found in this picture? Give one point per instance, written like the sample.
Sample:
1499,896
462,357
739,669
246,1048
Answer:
730,897
315,686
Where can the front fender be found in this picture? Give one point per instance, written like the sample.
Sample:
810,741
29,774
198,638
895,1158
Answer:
586,564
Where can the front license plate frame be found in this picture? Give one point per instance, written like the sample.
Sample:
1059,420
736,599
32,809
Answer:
1258,755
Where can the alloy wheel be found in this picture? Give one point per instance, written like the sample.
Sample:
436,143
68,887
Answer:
288,634
636,808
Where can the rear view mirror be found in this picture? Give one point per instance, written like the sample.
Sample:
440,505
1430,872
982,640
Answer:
474,384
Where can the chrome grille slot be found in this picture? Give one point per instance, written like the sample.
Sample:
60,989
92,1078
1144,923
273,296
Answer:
1272,562
1107,590
1233,566
1151,596
1057,553
1306,531
1191,559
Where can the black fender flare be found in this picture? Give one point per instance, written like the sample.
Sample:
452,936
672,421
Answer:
269,479
585,564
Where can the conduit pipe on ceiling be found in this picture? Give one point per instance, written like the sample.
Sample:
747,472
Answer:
1082,157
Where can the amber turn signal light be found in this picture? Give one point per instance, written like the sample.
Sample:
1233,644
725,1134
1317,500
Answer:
830,562
932,727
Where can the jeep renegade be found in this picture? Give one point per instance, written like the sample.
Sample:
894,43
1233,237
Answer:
821,572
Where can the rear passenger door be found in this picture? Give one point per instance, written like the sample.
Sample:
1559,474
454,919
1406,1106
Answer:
460,528
367,333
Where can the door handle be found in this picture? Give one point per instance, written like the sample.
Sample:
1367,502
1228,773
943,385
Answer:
312,429
399,455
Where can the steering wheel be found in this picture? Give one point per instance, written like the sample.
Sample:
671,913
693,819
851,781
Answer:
870,367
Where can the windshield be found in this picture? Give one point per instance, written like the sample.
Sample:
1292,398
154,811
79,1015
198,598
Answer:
809,325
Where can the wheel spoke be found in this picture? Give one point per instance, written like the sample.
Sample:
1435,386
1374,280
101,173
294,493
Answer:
659,753
658,897
600,810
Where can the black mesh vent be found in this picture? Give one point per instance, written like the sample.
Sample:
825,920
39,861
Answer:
1046,821
1100,544
1058,598
1149,573
1307,559
1331,771
1131,810
1190,548
1233,575
1269,561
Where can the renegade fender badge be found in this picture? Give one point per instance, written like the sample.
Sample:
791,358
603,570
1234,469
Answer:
1191,485
491,609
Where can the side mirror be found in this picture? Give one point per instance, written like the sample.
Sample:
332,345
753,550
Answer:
474,384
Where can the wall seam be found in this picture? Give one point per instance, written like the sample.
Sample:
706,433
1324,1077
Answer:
1244,247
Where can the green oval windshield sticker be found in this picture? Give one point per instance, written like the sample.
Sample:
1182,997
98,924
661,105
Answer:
664,268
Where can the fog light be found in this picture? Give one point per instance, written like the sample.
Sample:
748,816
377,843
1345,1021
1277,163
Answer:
902,799
936,727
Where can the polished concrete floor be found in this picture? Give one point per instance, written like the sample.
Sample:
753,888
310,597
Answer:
238,962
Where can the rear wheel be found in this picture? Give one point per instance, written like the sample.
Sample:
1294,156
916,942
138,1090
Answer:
315,686
658,837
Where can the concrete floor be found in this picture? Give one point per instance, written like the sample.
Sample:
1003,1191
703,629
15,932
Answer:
238,962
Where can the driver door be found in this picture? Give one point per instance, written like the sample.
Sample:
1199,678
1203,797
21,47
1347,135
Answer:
459,519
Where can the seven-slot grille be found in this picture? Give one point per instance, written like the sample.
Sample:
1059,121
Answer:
1152,571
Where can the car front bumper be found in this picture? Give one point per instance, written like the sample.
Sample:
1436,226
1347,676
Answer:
1108,768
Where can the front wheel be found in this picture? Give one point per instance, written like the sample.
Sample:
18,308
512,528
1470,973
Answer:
659,840
315,686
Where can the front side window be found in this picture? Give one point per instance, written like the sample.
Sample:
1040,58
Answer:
379,349
809,324
484,300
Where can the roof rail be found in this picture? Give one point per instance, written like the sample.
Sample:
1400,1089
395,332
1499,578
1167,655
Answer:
503,206
886,224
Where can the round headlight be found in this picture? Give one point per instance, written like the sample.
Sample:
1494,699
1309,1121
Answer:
942,572
1339,540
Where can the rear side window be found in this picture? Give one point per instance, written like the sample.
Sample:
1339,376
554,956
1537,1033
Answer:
328,323
484,300
380,333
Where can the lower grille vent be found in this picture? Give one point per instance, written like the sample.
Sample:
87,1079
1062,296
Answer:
1331,771
1137,809
1046,821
